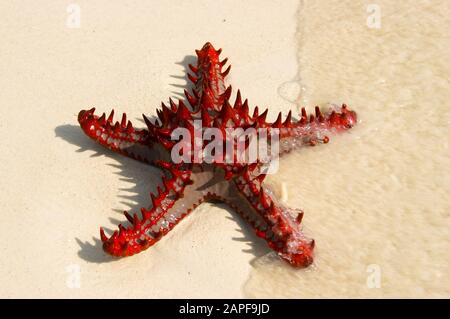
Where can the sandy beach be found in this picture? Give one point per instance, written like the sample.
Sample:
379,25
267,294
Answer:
375,199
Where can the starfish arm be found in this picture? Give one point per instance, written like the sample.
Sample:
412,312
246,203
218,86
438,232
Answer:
209,91
182,192
169,206
315,129
271,220
120,137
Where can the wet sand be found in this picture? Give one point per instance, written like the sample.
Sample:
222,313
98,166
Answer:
375,200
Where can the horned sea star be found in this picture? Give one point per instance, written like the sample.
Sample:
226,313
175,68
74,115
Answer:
186,184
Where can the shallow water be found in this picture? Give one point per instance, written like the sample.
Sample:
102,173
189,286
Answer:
376,199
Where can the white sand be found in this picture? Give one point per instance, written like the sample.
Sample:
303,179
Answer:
375,196
55,197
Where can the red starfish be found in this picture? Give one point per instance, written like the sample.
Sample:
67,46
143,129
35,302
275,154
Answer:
187,184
